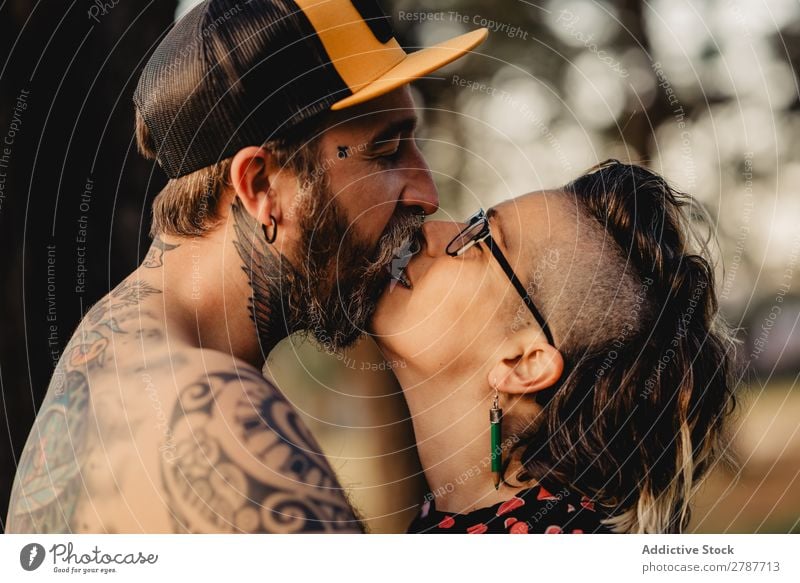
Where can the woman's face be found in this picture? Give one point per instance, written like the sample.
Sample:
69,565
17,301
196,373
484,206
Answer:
459,307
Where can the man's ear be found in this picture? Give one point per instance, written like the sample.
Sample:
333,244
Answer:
251,173
527,369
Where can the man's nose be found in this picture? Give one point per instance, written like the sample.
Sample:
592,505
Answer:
419,188
438,234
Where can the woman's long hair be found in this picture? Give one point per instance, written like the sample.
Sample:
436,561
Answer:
639,431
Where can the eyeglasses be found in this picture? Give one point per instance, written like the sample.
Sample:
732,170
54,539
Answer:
477,231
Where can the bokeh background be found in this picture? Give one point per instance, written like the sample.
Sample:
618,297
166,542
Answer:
704,92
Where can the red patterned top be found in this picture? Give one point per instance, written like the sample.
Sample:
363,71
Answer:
530,511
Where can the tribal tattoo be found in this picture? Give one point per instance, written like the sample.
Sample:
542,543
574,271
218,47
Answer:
245,462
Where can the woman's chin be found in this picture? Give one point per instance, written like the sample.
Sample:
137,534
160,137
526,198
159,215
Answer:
385,321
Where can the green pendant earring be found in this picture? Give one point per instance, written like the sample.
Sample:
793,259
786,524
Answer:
496,429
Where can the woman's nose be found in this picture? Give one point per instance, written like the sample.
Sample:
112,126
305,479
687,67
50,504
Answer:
438,234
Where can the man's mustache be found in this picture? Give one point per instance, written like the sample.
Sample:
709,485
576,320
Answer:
404,228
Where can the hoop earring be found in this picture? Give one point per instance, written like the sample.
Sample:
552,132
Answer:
496,433
274,225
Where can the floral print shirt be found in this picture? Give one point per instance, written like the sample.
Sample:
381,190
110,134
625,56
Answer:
530,511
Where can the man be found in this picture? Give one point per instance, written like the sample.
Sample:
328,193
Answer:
286,129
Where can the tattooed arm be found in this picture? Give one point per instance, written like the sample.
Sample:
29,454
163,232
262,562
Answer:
50,482
47,485
245,462
232,456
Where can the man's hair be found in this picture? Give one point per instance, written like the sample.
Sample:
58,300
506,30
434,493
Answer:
188,206
638,417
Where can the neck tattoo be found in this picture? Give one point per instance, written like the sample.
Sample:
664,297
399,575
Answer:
271,278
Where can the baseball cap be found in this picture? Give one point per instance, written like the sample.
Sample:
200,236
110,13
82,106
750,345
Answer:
234,74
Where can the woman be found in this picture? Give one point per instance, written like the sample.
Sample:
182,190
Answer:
565,365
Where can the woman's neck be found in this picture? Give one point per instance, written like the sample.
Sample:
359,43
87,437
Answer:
451,426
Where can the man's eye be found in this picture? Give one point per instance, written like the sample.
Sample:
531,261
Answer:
387,156
392,154
387,149
390,150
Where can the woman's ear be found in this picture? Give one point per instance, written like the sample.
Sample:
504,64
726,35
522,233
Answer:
533,368
250,179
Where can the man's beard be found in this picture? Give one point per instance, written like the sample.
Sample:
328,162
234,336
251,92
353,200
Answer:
342,275
331,287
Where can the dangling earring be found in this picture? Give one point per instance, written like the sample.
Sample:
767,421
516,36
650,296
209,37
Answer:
496,429
274,225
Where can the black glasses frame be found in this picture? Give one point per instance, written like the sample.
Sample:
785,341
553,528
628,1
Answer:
477,231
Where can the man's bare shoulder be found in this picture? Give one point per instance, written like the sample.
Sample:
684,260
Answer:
64,478
241,459
140,432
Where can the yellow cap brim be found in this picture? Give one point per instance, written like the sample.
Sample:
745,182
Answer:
414,66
